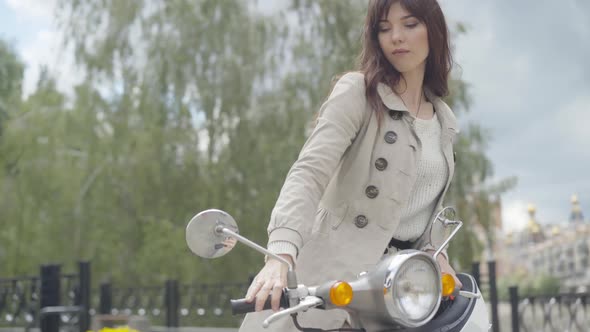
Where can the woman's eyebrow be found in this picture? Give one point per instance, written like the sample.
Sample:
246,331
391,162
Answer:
403,18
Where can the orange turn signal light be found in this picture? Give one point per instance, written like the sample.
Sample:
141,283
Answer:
448,284
341,293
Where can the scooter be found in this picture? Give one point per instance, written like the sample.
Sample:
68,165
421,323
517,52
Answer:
405,292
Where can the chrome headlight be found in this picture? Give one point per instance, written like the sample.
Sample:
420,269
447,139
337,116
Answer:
413,290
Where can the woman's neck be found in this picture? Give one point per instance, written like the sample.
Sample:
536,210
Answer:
409,88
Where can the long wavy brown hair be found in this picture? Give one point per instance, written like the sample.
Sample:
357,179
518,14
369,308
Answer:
376,68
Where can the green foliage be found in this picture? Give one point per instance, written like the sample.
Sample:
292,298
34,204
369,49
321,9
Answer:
472,192
474,195
11,77
185,105
528,285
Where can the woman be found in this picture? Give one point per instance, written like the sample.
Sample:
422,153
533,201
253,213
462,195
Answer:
376,167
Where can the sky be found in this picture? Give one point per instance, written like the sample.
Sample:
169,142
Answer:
528,66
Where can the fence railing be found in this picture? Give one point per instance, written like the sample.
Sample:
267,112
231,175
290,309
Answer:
563,312
19,299
489,289
172,305
53,298
540,313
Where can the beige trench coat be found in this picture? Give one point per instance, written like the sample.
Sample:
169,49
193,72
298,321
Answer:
325,206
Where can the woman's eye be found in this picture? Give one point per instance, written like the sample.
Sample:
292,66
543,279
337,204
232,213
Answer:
383,29
412,25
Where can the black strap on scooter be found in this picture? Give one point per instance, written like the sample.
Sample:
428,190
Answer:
311,329
399,245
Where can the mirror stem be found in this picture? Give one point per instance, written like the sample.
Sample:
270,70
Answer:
446,223
291,279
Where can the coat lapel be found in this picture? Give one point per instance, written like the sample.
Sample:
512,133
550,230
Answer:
389,98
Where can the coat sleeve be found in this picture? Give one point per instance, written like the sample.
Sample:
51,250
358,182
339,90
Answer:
339,120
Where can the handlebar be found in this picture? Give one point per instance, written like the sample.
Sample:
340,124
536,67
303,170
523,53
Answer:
240,306
305,304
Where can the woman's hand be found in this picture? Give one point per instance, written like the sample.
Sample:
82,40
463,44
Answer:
271,280
445,267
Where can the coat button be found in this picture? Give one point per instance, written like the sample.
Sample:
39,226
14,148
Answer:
381,164
390,137
396,115
372,191
361,221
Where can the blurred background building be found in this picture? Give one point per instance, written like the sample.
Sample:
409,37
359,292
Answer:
560,250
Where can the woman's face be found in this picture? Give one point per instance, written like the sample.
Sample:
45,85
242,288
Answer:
403,39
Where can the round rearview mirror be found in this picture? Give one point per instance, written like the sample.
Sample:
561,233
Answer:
442,226
203,235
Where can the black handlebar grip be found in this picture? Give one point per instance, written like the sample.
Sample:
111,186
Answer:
240,306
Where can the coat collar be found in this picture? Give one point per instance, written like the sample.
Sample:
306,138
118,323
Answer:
390,99
393,102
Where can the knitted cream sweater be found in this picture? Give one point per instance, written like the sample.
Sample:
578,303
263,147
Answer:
432,174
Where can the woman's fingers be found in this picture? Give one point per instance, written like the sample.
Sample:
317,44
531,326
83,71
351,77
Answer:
253,289
457,282
269,282
445,267
262,295
277,291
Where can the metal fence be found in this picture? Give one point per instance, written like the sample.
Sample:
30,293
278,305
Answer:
53,299
21,298
563,312
541,313
173,304
19,301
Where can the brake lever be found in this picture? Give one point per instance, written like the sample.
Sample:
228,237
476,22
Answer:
305,304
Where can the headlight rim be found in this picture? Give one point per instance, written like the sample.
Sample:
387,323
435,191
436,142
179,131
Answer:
393,305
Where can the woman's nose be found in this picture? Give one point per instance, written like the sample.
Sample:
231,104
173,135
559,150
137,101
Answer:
396,36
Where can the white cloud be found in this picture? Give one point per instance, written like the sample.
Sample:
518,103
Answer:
573,122
529,81
32,9
40,51
269,7
514,216
44,48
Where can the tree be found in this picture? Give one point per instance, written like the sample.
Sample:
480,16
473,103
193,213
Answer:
185,105
28,187
11,78
474,195
186,100
528,285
